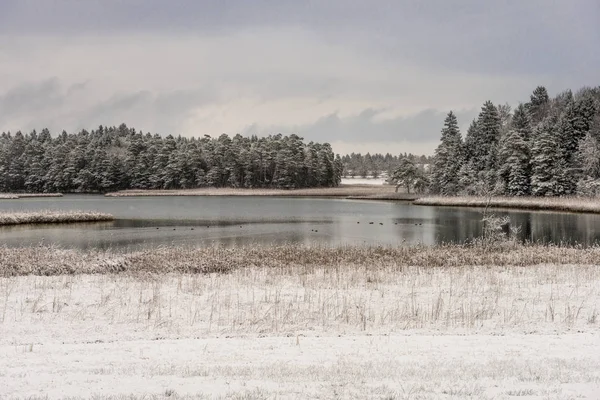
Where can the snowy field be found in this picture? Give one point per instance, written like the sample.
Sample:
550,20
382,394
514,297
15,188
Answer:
363,181
526,332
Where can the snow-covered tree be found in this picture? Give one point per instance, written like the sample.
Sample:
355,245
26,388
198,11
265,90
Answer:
407,174
448,159
514,172
539,105
547,169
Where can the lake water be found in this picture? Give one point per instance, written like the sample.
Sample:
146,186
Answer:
144,222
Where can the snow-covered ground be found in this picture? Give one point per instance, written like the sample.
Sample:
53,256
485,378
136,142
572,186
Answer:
327,367
363,181
527,332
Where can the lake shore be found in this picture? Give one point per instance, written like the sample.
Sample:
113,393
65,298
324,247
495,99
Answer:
387,192
13,196
561,204
51,217
366,192
294,322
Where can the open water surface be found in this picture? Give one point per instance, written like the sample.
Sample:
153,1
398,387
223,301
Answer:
145,222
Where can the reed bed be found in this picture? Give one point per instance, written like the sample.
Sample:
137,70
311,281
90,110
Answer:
340,191
566,204
28,195
387,196
377,290
317,319
50,260
51,217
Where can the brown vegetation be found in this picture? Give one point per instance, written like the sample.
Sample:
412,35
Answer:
340,191
566,204
13,196
55,261
51,217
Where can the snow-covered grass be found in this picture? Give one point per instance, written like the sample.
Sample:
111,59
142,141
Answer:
340,191
449,322
414,366
292,257
51,217
569,204
363,181
292,299
28,195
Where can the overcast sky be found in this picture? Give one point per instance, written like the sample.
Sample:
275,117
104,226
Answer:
365,75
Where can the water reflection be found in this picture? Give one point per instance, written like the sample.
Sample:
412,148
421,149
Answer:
461,224
236,221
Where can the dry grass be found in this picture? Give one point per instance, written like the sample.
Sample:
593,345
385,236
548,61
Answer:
297,322
28,195
291,289
340,191
567,204
395,367
51,217
203,260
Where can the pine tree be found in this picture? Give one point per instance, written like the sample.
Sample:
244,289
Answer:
538,105
481,145
448,159
546,165
574,124
406,174
514,173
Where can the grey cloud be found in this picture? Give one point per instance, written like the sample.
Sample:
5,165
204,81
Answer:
163,112
424,126
31,97
187,65
49,104
535,36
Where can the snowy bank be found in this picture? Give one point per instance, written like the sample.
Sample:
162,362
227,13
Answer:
339,191
27,195
567,204
51,217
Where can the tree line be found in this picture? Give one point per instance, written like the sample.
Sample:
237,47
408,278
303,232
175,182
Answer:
116,158
374,165
546,147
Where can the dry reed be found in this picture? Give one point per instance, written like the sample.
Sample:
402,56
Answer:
28,195
566,204
162,260
51,217
264,292
340,191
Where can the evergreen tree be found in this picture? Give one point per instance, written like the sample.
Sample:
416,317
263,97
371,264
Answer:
538,105
407,174
514,173
546,164
481,145
448,159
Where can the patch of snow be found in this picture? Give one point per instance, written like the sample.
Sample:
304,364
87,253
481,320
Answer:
427,333
356,366
364,181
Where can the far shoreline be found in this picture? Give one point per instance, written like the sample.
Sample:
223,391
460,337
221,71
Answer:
585,205
571,204
579,205
354,192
